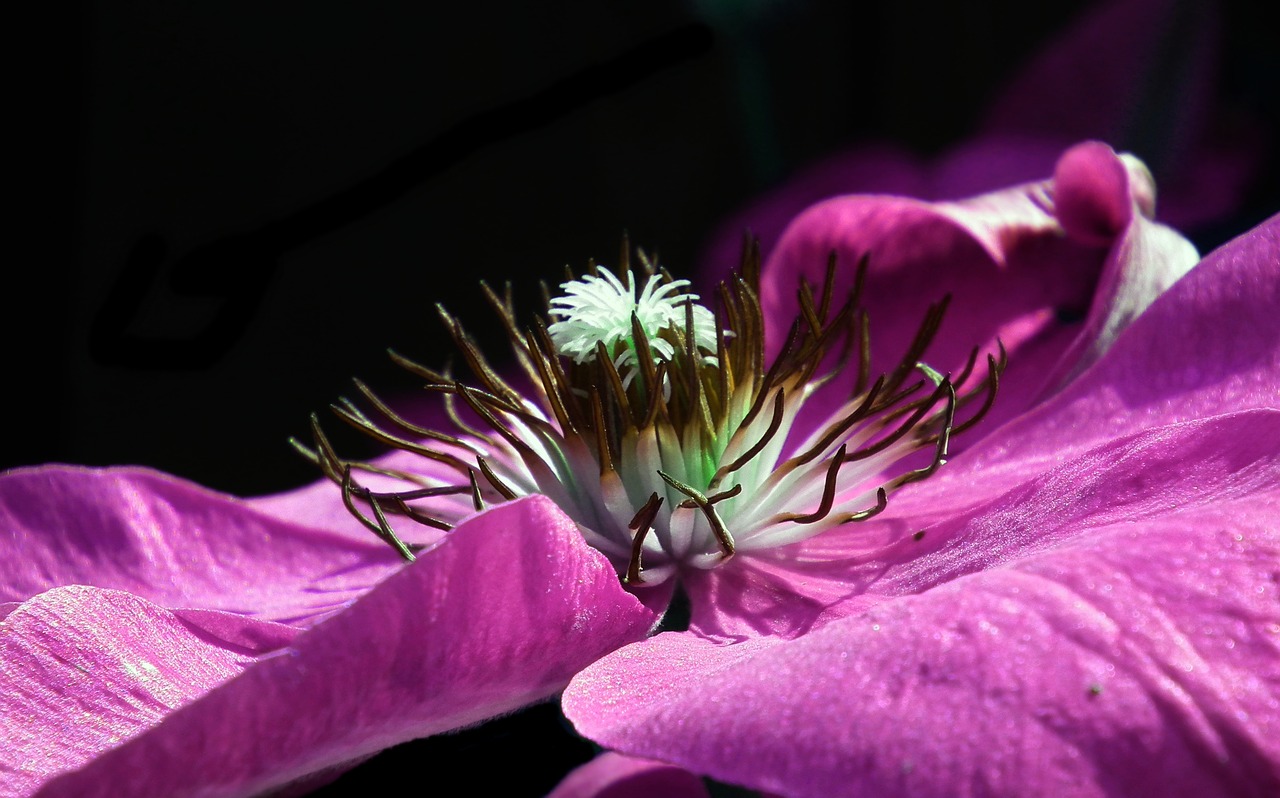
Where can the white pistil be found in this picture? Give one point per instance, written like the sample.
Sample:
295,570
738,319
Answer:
600,308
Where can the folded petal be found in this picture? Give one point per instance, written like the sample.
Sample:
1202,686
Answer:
175,544
1121,609
613,775
82,669
1207,346
1014,271
500,614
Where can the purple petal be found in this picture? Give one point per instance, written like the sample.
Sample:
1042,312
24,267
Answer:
1120,609
1208,346
176,545
1003,258
500,614
1108,201
82,669
613,775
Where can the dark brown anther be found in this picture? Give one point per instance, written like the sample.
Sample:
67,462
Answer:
714,498
553,396
906,426
804,296
604,453
749,266
422,518
380,527
779,404
969,363
992,386
648,372
859,279
692,360
828,492
771,377
501,487
828,287
859,413
640,524
617,393
943,439
489,378
475,400
656,406
862,331
624,256
924,336
477,501
400,422
420,493
724,373
563,385
882,501
708,510
355,418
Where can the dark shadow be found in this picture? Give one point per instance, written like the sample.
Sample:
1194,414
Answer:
237,269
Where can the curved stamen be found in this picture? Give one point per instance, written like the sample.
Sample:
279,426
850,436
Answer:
708,510
632,377
775,423
828,492
640,524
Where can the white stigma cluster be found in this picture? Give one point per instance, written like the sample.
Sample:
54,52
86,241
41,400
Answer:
600,307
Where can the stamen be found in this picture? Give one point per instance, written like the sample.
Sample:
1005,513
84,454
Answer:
906,426
708,510
381,528
633,382
495,480
994,368
775,424
477,500
640,524
828,492
882,501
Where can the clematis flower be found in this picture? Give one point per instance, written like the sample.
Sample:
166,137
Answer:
1088,582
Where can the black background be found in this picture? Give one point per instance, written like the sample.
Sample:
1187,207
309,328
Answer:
228,209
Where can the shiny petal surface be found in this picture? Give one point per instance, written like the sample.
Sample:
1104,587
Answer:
82,669
1121,608
175,544
500,614
613,775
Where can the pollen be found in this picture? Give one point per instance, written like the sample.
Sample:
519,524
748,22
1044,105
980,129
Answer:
656,424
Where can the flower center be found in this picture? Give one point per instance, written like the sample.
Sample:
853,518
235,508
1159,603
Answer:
656,425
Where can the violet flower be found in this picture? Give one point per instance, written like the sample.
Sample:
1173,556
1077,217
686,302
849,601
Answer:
1085,587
